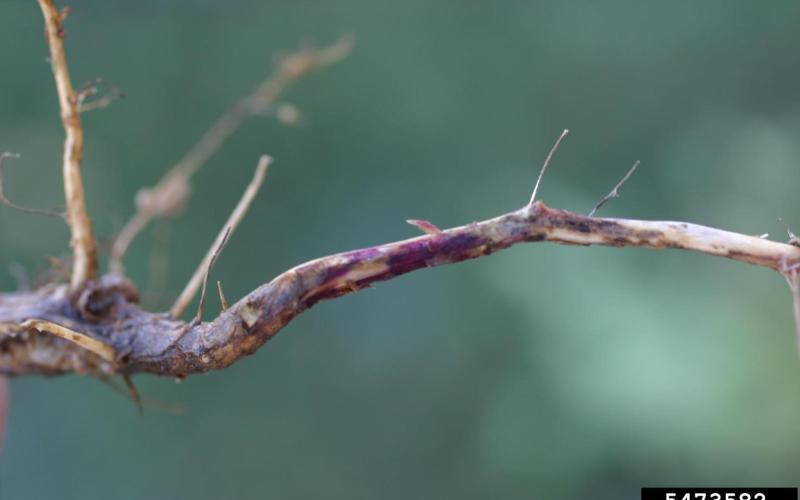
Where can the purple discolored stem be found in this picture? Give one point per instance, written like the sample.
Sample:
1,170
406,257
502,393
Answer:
157,343
256,318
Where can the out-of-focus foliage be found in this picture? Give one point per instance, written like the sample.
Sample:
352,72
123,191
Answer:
541,372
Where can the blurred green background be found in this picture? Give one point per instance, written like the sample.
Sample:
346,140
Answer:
541,372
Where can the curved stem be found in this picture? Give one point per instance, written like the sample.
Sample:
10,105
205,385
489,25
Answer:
160,344
257,317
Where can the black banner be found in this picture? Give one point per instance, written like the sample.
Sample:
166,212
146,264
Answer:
719,493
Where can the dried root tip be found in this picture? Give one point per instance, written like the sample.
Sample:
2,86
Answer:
546,163
424,226
793,239
102,349
614,193
201,306
222,300
200,275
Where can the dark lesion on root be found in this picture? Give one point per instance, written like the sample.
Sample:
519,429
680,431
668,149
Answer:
612,232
